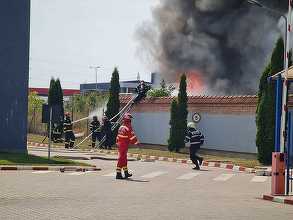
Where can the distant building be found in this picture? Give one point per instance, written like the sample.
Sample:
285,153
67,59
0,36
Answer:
43,92
125,86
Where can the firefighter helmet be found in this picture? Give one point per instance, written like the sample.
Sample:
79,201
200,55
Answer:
95,118
191,125
67,114
105,118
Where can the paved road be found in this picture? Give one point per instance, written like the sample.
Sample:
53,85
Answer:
159,190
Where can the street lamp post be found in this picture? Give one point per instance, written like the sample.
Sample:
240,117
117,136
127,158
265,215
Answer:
96,73
280,138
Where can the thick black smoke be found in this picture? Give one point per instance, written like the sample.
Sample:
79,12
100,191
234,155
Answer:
228,41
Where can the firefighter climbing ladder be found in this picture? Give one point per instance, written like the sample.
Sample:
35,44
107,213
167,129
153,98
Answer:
120,114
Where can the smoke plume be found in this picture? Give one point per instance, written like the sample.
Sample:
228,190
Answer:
227,42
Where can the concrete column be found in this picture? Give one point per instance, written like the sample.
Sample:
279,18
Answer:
14,72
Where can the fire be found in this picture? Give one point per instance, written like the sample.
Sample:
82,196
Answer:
194,81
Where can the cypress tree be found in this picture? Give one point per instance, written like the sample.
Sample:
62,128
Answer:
60,102
60,96
52,93
182,112
265,115
113,104
173,138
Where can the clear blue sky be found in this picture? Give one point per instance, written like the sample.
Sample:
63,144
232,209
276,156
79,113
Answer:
67,36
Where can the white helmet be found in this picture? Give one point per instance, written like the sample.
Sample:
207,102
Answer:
191,125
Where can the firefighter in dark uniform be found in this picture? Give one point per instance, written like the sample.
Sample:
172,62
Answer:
95,128
57,133
68,132
196,139
141,90
107,132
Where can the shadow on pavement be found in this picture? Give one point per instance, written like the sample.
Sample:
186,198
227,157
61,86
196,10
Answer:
138,181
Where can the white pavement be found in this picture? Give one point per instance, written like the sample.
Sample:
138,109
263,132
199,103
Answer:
158,190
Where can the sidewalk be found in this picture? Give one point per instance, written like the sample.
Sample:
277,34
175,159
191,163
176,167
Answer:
112,155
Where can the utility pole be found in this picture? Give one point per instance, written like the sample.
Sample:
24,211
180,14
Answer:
96,73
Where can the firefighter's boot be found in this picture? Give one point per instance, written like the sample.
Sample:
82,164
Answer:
71,144
93,145
118,174
127,174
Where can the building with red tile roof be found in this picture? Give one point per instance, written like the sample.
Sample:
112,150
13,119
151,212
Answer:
228,122
45,91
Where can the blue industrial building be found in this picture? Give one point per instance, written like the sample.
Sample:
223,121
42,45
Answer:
14,69
125,86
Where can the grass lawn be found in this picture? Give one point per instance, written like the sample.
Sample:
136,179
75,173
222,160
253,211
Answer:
40,138
26,159
239,159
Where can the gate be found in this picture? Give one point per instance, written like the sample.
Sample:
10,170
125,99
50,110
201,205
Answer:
289,154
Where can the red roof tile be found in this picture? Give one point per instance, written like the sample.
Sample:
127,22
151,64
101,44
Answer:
247,99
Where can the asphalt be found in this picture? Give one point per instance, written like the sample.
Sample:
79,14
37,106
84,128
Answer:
158,190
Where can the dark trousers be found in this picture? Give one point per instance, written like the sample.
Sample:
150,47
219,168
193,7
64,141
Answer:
107,143
193,154
69,139
95,136
139,97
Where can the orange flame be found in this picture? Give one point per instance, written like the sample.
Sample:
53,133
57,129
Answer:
194,81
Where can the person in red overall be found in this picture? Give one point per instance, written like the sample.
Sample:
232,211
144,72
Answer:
125,137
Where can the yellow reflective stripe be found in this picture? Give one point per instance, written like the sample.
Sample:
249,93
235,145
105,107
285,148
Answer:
122,136
136,142
132,138
125,127
67,130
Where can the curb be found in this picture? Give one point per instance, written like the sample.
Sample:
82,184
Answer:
278,199
50,168
263,173
186,161
168,159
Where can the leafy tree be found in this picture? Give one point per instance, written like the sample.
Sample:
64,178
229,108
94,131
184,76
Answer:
92,100
164,91
173,136
34,109
182,112
34,102
265,115
159,93
79,103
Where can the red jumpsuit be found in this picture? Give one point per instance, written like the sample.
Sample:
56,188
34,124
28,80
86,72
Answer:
125,137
